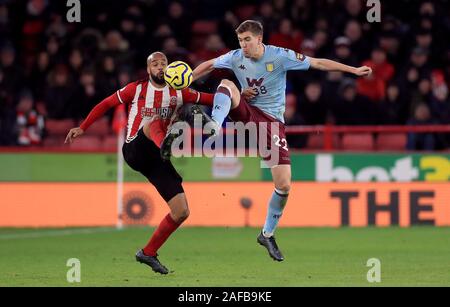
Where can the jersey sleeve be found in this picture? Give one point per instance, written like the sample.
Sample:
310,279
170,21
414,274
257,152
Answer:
206,99
126,94
99,110
190,95
224,61
292,60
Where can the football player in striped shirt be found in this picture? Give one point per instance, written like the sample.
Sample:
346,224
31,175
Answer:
151,106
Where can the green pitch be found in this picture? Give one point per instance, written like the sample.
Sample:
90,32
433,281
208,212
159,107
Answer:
227,257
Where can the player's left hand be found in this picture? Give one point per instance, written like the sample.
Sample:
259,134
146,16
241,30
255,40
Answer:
363,71
249,93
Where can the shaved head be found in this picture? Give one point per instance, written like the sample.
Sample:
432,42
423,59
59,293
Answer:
156,56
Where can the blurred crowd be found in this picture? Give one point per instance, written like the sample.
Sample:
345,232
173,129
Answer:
53,69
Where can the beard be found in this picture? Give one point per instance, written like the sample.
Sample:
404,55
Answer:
158,79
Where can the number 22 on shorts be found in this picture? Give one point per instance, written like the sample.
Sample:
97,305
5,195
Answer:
279,142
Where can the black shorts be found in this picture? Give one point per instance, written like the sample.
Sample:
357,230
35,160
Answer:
143,156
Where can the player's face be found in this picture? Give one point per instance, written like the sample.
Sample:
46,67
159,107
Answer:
156,68
249,43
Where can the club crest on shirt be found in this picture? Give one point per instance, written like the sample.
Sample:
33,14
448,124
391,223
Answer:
269,66
173,100
300,57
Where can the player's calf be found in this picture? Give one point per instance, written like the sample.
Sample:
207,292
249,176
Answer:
222,101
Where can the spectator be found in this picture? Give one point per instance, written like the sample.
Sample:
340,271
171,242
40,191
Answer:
226,29
421,141
117,47
179,22
59,94
53,50
124,76
321,42
75,63
393,110
313,107
302,14
173,51
440,106
342,51
331,85
308,48
12,73
161,33
108,76
352,108
5,31
40,69
390,42
424,39
29,123
287,36
214,47
88,94
358,45
381,68
265,16
417,69
291,117
36,16
374,85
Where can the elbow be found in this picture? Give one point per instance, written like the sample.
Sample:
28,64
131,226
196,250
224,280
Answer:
210,66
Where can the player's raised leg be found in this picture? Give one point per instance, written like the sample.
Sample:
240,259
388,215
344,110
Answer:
281,175
179,212
227,97
154,130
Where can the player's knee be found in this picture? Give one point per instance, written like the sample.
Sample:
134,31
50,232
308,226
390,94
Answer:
230,86
283,186
182,215
228,83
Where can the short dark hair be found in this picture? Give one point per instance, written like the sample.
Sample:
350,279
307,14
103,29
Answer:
250,25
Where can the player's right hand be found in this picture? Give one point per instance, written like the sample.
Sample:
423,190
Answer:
73,133
249,93
363,71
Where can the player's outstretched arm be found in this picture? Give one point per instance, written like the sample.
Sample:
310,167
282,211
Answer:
203,69
329,65
98,111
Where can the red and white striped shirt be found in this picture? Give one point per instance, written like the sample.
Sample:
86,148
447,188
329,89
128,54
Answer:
144,100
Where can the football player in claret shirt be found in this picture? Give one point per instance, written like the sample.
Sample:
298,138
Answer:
261,71
151,106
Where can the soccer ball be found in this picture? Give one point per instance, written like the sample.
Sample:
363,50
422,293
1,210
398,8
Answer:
178,75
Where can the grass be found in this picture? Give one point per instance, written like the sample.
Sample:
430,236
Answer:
227,257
